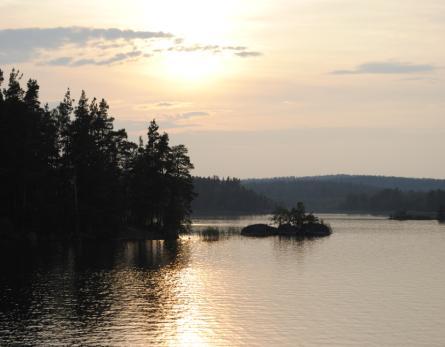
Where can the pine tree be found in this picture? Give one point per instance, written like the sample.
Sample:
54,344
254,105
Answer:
69,170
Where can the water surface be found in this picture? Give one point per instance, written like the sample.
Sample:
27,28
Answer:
374,282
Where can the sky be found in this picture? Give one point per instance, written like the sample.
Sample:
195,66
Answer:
254,88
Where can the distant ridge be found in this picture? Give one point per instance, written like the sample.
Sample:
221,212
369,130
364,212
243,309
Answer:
391,182
329,192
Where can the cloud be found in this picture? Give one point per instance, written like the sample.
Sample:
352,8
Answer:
182,119
183,116
80,46
235,48
162,104
387,68
247,54
62,61
194,48
56,37
117,58
120,57
21,45
188,115
240,51
165,104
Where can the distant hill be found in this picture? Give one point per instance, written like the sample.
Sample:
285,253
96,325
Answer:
329,193
390,182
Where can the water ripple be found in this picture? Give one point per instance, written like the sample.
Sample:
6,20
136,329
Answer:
372,283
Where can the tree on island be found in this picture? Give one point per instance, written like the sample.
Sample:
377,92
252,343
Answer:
294,222
67,172
295,217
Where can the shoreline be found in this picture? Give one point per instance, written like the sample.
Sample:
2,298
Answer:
128,233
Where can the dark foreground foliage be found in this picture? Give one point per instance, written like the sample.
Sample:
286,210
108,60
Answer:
66,172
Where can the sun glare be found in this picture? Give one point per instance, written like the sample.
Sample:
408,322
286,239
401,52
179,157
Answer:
197,67
196,20
195,23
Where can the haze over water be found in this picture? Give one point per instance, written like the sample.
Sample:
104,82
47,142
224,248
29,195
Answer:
374,282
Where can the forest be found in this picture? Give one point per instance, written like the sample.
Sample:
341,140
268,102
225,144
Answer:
396,200
353,193
67,172
219,196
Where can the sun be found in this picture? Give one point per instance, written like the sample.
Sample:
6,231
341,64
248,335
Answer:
192,67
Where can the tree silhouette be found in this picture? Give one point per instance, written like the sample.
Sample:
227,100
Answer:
296,216
67,172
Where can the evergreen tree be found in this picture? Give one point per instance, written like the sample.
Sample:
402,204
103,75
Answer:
68,171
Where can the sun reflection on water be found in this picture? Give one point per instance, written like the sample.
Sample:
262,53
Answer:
191,328
231,292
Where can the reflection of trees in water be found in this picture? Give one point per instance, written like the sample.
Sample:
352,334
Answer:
80,293
298,247
34,282
211,234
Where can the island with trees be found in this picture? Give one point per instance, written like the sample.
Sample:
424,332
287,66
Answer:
290,222
67,173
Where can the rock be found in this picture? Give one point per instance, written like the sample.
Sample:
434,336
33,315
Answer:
259,230
288,230
316,230
306,230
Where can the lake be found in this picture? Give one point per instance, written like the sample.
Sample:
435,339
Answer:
374,282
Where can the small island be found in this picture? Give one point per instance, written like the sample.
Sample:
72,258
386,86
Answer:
294,222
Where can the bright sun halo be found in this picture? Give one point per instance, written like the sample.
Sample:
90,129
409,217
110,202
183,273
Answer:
191,67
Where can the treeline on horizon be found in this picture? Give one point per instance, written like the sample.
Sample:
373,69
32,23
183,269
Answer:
231,196
348,193
396,200
376,181
67,171
227,196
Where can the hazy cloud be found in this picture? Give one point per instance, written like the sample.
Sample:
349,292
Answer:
247,54
120,57
387,68
181,119
117,58
194,48
184,116
20,45
240,51
161,104
193,114
165,104
62,61
79,46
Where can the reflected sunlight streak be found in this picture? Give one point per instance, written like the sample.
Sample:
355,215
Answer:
192,330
